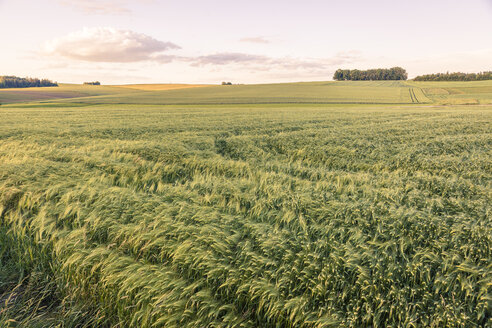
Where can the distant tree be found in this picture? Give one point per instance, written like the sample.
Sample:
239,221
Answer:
394,73
338,75
456,76
226,83
92,83
399,73
28,82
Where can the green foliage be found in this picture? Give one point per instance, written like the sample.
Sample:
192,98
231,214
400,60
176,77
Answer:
18,82
456,76
245,216
394,73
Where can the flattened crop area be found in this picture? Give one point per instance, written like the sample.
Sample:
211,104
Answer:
253,216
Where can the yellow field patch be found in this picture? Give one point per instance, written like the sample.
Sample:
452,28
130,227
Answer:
161,87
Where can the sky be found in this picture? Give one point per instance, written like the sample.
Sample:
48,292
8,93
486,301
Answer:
254,41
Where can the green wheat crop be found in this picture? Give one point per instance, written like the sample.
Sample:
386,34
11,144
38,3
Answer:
245,216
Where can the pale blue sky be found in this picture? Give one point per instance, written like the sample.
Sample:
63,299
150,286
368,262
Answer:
190,41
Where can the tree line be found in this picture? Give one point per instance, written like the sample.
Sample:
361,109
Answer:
92,83
456,76
28,82
394,73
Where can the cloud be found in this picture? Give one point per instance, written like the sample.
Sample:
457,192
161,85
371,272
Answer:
466,61
257,39
345,57
226,58
266,63
105,44
110,45
101,6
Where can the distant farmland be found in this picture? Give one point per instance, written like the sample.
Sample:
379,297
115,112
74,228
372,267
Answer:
342,92
322,204
161,87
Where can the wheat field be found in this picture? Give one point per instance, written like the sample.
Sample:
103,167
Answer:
247,215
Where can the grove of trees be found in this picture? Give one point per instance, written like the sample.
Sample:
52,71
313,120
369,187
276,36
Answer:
394,73
456,76
93,83
28,82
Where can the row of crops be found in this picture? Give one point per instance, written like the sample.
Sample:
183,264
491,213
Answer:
259,217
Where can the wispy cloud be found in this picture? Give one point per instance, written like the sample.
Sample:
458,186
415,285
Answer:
226,58
465,61
256,39
265,63
117,7
106,44
345,57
